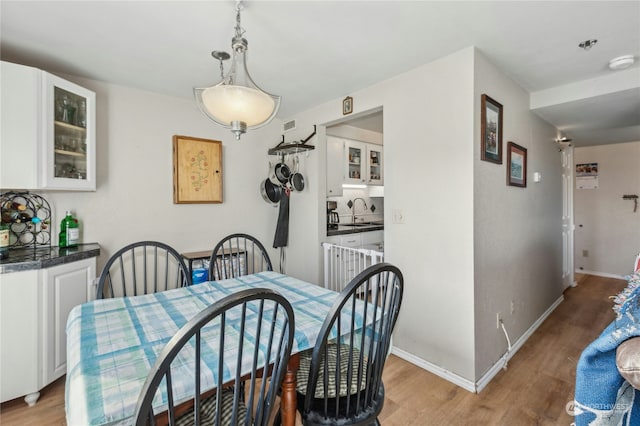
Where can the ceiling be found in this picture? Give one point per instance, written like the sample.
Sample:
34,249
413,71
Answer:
311,52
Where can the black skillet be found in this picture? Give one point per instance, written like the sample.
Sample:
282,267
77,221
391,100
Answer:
271,193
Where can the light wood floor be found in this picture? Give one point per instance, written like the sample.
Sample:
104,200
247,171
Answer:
534,390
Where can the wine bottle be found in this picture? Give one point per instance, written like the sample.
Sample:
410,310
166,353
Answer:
12,211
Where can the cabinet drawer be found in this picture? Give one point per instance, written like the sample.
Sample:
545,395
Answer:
351,240
373,237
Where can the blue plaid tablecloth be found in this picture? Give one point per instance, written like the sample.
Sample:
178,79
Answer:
113,343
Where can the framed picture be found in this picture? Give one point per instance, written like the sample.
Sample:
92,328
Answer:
347,105
491,132
197,170
516,165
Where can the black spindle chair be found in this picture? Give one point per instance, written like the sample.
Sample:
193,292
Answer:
143,267
346,372
258,322
237,255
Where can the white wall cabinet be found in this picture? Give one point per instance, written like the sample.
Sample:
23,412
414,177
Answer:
374,165
352,162
48,131
355,169
34,309
335,166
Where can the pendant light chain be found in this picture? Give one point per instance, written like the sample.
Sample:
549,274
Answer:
237,102
221,69
239,31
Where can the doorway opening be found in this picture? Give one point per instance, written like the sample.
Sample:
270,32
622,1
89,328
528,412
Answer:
355,179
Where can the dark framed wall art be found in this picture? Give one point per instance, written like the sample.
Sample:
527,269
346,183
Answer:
516,165
491,130
347,105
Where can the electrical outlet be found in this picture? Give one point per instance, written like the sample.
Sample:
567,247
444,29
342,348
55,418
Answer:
498,320
513,307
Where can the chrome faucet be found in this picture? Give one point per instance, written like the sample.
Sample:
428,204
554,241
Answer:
353,208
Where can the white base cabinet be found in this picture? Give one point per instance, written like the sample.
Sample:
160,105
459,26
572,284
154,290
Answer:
20,353
366,240
34,306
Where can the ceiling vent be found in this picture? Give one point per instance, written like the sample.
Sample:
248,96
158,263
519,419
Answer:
289,125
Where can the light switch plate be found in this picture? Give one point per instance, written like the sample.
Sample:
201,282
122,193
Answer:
397,216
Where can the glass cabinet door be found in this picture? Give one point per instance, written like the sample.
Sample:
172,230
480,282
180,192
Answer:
374,164
356,158
69,143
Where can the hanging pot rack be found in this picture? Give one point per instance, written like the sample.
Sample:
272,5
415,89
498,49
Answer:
293,147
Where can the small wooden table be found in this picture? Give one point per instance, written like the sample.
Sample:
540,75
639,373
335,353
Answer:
191,256
196,255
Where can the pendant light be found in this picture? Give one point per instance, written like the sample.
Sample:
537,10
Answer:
236,102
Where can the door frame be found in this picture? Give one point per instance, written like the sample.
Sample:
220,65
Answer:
568,225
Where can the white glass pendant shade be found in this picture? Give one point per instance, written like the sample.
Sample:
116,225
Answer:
237,103
225,104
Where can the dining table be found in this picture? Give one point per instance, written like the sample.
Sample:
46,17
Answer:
112,344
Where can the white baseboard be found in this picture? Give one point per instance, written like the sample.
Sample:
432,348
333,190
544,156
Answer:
467,384
600,274
495,369
435,369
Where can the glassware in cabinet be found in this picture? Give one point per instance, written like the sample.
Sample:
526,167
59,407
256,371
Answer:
374,164
355,162
70,136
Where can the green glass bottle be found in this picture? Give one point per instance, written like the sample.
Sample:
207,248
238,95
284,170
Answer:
69,231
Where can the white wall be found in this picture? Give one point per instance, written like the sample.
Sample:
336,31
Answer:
134,197
517,231
606,226
461,218
428,160
355,133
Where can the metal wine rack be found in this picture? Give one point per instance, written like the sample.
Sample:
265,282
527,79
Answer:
29,219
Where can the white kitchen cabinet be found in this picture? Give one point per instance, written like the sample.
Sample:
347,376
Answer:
63,287
373,240
335,166
374,165
48,131
35,305
352,162
358,240
20,346
345,263
355,168
351,240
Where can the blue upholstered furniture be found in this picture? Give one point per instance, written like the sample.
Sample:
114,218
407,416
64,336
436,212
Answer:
605,392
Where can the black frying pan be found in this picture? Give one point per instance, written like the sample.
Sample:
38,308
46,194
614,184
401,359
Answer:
282,172
270,193
296,180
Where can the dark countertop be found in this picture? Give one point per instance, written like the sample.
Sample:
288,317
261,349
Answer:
27,259
350,229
